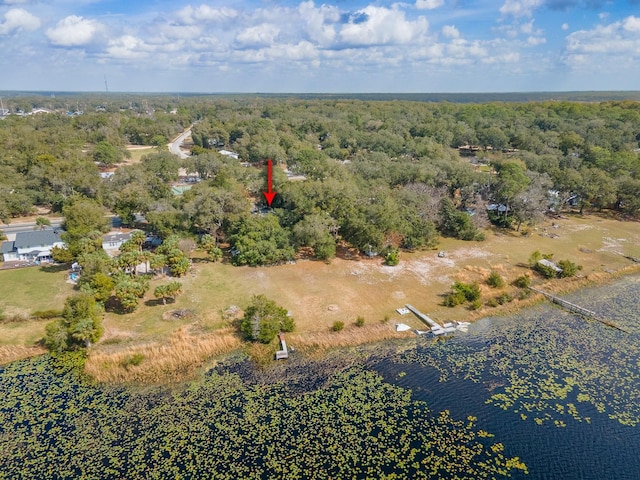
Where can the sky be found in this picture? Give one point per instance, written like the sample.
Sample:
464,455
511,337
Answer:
286,46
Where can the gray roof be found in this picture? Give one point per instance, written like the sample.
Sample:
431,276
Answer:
117,236
7,247
37,238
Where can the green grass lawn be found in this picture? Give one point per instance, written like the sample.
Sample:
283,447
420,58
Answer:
138,153
24,291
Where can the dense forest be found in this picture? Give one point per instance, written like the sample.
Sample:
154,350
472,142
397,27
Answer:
378,175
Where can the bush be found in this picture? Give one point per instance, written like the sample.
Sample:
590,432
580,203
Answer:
460,293
360,322
452,299
569,269
495,280
492,302
523,294
504,298
392,257
476,305
471,291
132,360
523,281
545,271
46,314
337,326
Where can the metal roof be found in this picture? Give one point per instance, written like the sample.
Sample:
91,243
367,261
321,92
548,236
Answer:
7,247
37,238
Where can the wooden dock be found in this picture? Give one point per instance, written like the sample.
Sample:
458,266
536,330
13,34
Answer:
577,309
429,321
283,353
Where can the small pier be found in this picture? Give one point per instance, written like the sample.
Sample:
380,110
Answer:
283,353
577,309
429,321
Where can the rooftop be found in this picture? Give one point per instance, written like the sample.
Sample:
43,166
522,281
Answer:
37,238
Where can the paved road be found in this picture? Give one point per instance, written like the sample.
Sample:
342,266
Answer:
174,147
11,229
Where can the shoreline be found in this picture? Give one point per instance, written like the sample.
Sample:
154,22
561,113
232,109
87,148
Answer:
313,347
318,294
318,346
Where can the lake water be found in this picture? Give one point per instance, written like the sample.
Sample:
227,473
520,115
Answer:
560,392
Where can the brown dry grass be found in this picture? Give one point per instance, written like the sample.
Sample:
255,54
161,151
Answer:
318,294
349,337
177,358
11,353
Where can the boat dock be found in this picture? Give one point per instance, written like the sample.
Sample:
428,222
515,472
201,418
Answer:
428,320
436,328
577,309
283,353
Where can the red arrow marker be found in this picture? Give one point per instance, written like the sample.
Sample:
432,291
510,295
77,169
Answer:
269,194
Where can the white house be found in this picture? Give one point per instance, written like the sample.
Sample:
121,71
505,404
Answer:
112,241
228,153
32,246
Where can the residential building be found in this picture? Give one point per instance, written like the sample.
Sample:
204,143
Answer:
32,246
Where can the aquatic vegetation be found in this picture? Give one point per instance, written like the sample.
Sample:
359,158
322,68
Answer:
553,365
353,426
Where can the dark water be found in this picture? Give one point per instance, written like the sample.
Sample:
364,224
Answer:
558,391
530,351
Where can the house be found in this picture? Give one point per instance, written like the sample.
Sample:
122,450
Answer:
35,111
228,153
112,241
32,246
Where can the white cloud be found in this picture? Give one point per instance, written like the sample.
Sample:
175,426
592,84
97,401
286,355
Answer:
382,26
631,24
17,19
428,4
450,31
565,26
204,13
297,52
533,41
74,31
617,43
319,22
128,47
260,35
520,8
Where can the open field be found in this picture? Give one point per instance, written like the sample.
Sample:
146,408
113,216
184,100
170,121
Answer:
317,294
25,290
137,152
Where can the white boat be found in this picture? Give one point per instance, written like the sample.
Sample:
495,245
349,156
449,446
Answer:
401,327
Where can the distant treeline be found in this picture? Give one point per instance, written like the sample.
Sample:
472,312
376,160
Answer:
459,97
380,175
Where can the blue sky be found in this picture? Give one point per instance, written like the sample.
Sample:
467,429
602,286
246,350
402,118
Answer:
308,46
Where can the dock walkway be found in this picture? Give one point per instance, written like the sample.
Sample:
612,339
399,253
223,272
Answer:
429,321
583,312
284,352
